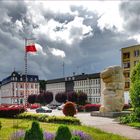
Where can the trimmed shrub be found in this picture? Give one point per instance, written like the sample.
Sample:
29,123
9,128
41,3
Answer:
63,120
75,138
69,109
35,133
31,116
92,107
49,119
63,133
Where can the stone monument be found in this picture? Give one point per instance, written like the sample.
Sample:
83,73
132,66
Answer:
113,93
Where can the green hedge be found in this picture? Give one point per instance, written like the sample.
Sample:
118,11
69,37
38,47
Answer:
32,116
49,119
63,120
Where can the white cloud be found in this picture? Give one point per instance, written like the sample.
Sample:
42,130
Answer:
57,52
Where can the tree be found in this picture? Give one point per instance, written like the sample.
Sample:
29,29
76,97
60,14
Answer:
42,84
45,97
72,96
61,97
48,97
82,98
35,133
135,90
32,98
40,98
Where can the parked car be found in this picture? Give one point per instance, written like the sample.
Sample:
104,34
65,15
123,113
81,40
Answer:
51,106
43,110
60,107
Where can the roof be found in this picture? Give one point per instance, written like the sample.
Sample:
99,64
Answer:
131,46
19,77
74,78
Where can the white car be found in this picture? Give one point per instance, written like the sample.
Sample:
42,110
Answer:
60,107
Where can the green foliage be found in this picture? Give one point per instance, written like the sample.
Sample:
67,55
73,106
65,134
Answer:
69,109
135,90
32,116
128,119
63,133
75,138
0,125
50,119
35,133
63,120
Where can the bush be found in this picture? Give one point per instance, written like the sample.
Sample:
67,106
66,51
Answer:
31,116
35,133
69,109
11,111
49,119
128,119
63,133
92,107
63,120
135,90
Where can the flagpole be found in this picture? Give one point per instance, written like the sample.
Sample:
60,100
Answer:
25,95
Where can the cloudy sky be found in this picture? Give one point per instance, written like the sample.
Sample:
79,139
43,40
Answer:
86,35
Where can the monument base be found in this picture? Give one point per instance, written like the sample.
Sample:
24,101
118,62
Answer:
109,114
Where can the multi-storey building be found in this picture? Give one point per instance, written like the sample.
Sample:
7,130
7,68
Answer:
130,56
88,83
16,88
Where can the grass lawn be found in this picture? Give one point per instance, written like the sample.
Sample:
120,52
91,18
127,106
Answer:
7,129
134,124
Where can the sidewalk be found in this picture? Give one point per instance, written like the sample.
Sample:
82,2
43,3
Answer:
109,125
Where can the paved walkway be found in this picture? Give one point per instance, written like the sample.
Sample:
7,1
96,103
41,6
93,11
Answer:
109,125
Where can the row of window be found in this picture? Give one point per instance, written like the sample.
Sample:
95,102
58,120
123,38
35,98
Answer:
94,100
127,64
127,54
88,82
55,86
23,85
21,79
91,91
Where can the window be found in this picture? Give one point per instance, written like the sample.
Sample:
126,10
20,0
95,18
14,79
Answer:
136,62
136,53
126,65
127,84
127,74
126,55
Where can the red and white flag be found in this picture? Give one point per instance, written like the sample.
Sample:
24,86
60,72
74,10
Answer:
30,48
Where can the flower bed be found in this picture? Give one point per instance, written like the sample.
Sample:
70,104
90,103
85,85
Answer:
20,134
92,107
11,111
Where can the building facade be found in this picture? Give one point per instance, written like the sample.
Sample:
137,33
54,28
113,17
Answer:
130,56
88,83
15,88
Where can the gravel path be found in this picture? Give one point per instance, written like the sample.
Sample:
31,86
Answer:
109,125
